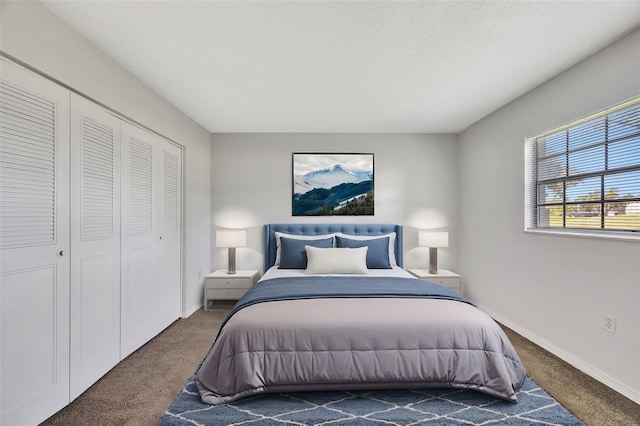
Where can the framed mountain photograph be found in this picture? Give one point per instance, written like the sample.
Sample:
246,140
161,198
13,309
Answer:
332,184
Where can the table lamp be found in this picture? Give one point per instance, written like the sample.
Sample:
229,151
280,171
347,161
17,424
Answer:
433,240
231,238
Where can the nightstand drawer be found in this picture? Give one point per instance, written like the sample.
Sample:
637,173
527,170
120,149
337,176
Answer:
445,278
223,283
457,289
450,282
225,294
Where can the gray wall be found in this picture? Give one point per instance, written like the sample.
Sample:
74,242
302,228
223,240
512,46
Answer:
36,36
555,290
416,185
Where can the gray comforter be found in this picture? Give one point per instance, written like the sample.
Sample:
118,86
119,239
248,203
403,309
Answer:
358,343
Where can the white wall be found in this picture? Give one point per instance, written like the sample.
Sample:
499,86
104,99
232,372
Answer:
36,36
554,290
416,184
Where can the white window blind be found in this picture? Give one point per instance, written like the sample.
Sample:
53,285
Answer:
586,175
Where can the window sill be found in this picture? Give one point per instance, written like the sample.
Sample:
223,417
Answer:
611,235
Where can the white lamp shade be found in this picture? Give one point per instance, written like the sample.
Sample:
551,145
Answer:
433,239
231,238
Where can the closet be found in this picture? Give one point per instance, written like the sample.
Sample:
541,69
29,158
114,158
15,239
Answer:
150,236
90,240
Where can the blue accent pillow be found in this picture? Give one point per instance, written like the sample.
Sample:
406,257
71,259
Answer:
377,254
292,252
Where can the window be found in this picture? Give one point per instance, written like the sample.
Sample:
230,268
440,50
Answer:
585,176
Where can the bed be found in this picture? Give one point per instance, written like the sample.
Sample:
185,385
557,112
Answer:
379,328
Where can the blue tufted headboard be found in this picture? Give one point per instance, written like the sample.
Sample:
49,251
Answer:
326,228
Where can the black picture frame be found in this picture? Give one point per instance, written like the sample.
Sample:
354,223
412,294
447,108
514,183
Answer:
332,184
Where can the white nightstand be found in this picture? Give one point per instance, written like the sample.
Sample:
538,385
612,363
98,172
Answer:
219,285
445,278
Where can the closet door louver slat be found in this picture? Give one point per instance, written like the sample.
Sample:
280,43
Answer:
141,188
171,192
27,172
97,180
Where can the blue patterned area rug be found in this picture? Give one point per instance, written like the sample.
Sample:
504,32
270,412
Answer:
428,407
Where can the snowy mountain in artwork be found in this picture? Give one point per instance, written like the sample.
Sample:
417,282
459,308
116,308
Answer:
328,178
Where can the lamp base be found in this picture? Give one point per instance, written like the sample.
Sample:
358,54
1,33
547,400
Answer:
231,268
433,260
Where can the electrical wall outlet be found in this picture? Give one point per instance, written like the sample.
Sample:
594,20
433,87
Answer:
610,323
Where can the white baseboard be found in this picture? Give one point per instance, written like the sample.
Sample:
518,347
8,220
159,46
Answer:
191,311
575,361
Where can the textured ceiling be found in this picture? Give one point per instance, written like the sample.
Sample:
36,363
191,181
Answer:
329,66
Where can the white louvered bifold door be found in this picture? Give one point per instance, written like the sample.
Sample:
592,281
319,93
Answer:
170,224
34,244
140,204
95,243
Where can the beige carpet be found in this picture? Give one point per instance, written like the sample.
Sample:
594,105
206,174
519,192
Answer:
139,389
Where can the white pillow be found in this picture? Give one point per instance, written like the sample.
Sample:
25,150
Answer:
336,260
392,243
295,237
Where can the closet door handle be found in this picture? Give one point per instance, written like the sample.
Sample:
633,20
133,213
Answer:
60,253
